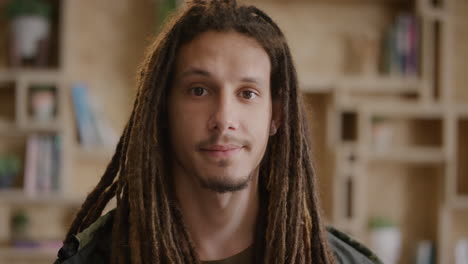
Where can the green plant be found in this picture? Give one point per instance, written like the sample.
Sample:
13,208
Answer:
380,222
17,8
378,119
20,224
164,9
9,164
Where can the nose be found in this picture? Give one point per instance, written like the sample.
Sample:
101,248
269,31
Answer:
224,115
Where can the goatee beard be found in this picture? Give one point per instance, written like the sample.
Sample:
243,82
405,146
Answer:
225,185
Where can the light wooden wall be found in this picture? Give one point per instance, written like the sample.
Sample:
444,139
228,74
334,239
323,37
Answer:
104,45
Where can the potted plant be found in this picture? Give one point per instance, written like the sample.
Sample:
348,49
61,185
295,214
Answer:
29,32
20,225
385,239
9,169
43,102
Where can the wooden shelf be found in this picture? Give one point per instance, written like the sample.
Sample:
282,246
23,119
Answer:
434,13
391,109
460,202
349,226
38,75
12,129
52,127
93,153
6,126
408,155
380,84
316,84
367,84
18,197
28,253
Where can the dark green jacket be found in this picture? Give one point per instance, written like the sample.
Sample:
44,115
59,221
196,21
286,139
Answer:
92,246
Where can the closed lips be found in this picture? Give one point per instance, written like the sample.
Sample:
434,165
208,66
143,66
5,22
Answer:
221,148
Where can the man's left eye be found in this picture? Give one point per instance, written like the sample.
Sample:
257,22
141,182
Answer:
248,95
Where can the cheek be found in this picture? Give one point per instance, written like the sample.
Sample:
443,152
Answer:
184,122
259,127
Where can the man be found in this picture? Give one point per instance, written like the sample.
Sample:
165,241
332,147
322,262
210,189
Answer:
214,164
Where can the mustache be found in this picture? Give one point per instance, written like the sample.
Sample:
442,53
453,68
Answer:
217,139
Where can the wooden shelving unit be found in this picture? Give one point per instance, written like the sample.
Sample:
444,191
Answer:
17,125
420,179
80,52
28,254
17,197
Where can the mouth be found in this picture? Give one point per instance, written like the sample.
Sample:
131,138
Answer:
221,151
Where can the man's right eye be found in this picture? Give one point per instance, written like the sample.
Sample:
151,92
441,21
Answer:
198,91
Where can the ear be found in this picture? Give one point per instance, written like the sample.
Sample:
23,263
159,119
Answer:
275,117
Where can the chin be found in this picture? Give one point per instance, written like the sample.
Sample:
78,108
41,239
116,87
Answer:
225,184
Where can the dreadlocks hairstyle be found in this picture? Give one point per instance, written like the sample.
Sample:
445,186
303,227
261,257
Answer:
148,225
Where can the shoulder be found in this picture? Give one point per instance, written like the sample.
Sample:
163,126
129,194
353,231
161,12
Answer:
93,246
348,251
90,246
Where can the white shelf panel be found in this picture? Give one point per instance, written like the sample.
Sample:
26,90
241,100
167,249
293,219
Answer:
460,202
350,226
316,84
41,127
6,125
408,155
93,153
18,197
6,76
28,253
378,84
394,109
434,13
38,75
370,84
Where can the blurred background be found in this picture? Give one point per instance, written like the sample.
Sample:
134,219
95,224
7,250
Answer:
385,83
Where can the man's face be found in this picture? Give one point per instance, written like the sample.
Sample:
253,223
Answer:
220,110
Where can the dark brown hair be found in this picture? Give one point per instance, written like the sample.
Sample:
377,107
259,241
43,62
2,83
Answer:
148,225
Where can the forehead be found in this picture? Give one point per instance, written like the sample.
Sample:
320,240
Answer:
226,53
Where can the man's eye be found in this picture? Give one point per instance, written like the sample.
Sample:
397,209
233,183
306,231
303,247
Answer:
198,91
248,95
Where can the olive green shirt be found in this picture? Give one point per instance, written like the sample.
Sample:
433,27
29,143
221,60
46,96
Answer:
244,257
92,246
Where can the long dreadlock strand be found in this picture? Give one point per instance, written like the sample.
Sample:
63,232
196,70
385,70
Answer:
105,181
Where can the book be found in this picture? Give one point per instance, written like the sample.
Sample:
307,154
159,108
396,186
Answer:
106,135
414,38
30,175
425,253
56,151
86,123
45,164
461,251
93,129
42,164
401,47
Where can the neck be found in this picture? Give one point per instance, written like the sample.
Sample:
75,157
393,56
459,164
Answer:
220,224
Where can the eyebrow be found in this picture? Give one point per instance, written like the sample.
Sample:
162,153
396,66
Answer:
204,73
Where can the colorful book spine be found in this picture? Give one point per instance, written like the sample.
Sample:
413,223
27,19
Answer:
93,128
461,251
401,47
107,136
43,164
46,163
87,131
425,253
32,156
414,36
56,169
